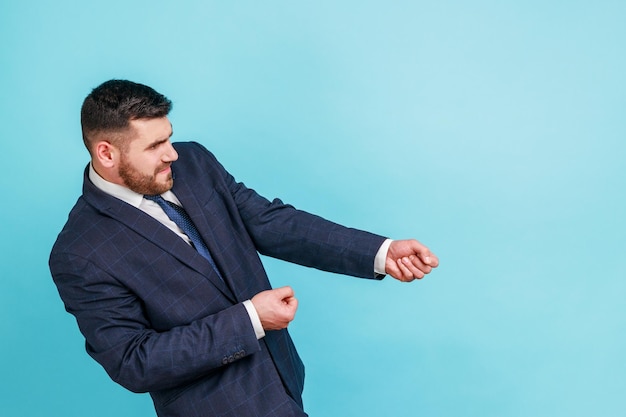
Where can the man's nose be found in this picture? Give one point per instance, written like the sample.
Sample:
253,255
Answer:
170,154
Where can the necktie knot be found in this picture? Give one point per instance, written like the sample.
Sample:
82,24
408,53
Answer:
154,198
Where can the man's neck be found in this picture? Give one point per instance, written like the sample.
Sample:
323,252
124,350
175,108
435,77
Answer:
116,190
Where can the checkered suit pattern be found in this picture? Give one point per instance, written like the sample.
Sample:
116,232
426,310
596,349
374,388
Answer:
156,316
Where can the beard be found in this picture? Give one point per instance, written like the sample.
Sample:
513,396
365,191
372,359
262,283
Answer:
142,183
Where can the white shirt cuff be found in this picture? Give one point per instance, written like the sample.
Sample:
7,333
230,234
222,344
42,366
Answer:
381,257
254,319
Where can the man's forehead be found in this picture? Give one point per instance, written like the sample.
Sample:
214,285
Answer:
150,129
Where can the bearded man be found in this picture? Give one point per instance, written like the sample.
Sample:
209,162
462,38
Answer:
159,263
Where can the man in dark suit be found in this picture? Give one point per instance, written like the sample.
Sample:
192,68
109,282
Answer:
159,264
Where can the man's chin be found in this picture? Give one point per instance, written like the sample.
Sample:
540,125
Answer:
163,187
169,184
152,189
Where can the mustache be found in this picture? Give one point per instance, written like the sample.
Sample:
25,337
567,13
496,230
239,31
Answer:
165,166
162,167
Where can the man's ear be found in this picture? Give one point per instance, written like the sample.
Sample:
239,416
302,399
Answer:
106,153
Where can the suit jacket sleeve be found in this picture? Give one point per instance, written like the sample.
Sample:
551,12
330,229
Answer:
120,336
281,231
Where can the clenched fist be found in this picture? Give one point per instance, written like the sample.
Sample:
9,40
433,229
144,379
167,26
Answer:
409,259
276,308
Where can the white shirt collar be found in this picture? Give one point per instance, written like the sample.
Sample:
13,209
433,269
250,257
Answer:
119,191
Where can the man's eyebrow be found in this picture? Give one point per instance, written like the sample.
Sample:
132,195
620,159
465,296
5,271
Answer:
160,141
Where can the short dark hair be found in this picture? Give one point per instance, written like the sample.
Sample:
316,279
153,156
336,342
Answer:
113,104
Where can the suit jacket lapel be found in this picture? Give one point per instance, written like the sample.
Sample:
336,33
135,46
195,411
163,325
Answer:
205,225
153,231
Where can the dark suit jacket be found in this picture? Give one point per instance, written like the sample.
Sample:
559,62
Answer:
157,317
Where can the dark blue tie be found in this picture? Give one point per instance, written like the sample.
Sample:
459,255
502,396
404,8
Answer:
179,216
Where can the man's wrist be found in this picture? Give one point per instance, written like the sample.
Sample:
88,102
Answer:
381,257
254,319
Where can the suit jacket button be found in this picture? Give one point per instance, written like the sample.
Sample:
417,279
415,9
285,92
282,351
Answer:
224,361
231,359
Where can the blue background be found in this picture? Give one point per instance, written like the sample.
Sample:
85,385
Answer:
493,131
